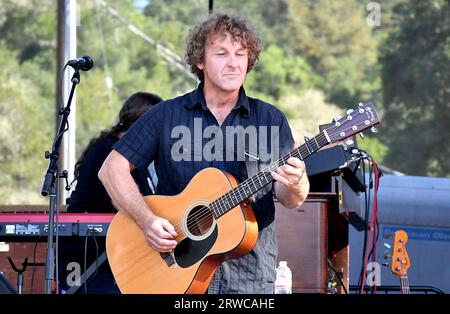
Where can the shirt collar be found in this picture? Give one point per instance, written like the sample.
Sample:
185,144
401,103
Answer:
197,98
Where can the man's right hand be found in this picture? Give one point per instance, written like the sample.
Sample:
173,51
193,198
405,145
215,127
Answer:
115,176
160,234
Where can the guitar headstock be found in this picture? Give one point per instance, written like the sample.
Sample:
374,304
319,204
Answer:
355,121
400,259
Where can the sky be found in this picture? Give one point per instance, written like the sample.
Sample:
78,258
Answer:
141,3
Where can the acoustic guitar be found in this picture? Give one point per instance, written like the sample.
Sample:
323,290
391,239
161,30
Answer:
213,220
400,259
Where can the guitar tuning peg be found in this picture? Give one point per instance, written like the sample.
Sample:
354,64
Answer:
361,134
360,104
337,118
349,111
387,245
387,254
349,142
386,264
374,129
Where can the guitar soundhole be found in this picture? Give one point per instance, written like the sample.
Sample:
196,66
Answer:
200,221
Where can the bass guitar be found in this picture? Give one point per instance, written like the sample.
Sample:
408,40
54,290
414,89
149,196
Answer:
400,259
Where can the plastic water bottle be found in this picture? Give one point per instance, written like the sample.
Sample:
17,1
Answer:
283,282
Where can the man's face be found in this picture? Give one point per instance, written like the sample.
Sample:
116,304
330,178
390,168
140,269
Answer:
225,65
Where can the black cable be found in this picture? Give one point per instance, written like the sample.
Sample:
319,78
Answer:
376,217
356,168
373,238
90,278
61,106
61,81
370,183
34,264
84,266
366,213
368,210
57,245
96,258
337,275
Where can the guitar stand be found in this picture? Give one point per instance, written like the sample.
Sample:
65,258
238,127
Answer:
86,275
19,272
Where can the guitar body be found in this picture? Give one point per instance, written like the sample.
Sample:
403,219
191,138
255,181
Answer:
203,241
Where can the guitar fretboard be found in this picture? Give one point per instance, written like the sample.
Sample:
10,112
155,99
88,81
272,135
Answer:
252,185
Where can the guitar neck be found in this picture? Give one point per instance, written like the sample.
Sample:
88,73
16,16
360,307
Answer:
404,284
252,185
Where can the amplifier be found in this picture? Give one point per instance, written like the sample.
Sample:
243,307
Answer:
332,161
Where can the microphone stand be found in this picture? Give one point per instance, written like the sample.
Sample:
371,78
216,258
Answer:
51,187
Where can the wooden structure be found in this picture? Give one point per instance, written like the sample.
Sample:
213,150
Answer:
309,237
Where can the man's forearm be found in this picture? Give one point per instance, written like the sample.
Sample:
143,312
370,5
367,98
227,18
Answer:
122,189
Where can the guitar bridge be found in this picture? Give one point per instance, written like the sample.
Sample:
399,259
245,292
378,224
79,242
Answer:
168,258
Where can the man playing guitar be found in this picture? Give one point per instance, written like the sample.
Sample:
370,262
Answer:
221,50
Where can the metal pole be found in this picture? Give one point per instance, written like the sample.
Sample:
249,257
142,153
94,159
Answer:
68,152
60,61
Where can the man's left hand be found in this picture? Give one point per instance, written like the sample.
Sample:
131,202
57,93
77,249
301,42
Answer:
291,175
292,185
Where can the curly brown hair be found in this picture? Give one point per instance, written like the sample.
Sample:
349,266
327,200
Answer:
221,23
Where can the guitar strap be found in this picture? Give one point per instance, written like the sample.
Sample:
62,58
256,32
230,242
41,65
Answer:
253,164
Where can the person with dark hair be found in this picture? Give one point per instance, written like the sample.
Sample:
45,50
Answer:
90,195
220,50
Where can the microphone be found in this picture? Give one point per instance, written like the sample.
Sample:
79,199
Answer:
84,63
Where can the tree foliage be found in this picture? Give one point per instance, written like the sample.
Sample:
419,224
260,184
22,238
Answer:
23,131
416,80
318,57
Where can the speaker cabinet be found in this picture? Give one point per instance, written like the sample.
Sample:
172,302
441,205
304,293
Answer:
305,241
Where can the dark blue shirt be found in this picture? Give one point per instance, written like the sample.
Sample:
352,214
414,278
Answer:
151,138
170,134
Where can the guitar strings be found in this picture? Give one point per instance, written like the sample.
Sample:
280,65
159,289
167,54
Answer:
404,284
